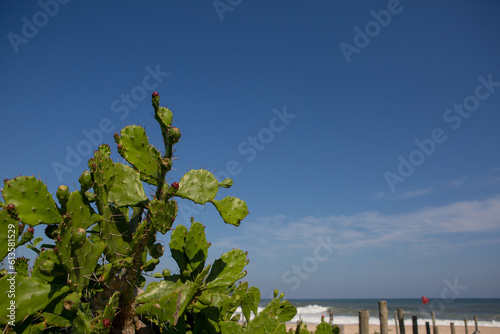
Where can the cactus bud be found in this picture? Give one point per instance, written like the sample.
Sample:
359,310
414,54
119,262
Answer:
116,136
165,273
227,183
119,147
85,180
5,180
174,134
78,237
106,322
62,194
275,293
10,207
20,229
46,267
175,185
155,97
27,236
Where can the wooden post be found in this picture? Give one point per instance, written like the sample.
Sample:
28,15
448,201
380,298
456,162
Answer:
466,328
396,322
363,322
401,319
382,313
427,327
477,328
414,324
452,327
434,327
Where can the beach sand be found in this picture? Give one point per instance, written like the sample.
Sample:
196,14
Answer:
354,329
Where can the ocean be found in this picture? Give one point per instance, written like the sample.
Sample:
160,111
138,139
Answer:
345,311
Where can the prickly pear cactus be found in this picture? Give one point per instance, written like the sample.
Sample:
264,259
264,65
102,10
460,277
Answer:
89,272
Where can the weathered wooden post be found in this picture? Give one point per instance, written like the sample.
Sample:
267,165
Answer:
401,319
434,327
466,328
452,327
382,313
414,324
427,327
396,322
477,328
364,328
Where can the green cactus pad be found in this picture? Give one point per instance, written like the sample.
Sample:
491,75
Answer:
82,214
231,327
8,233
163,214
34,203
21,266
48,269
72,301
227,183
127,189
137,151
156,291
199,186
250,302
81,323
111,306
103,173
116,235
231,209
189,248
164,116
31,296
167,301
227,270
84,264
150,265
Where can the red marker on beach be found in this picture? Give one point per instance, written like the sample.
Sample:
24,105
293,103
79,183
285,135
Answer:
425,300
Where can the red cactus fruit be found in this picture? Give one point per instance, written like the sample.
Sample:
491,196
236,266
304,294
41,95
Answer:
106,322
10,207
155,94
120,146
175,185
30,230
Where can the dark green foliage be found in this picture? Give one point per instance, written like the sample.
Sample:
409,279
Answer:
102,243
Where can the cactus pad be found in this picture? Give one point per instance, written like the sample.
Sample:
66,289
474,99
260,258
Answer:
136,150
199,186
189,248
231,209
163,214
33,202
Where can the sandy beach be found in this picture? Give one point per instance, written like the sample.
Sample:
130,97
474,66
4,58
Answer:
354,329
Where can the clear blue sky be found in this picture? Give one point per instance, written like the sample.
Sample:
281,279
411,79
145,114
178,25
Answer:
320,110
